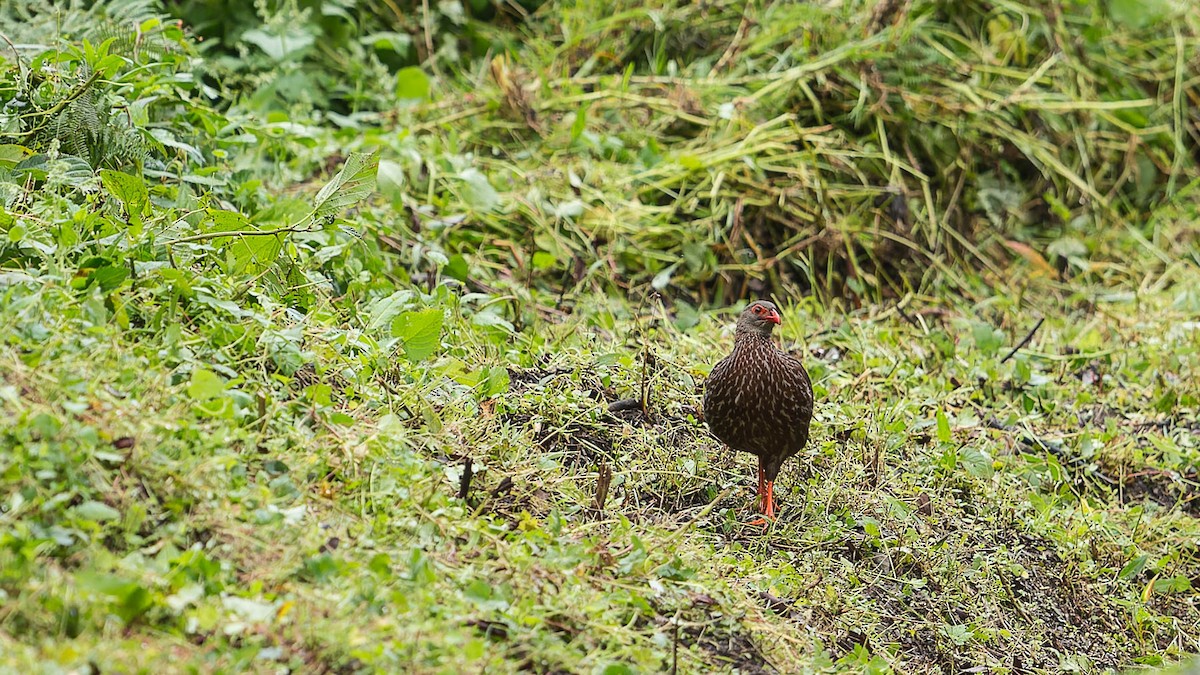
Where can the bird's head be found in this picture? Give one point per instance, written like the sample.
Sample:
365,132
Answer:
760,317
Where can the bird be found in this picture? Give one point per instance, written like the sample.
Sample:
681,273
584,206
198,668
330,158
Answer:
759,399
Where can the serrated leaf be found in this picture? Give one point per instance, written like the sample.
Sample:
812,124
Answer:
977,462
351,185
218,220
130,190
254,254
421,332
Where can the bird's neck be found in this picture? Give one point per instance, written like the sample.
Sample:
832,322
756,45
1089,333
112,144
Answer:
752,340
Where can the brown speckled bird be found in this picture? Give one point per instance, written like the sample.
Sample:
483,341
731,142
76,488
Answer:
759,399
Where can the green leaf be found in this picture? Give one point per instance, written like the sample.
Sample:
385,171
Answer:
497,381
278,46
412,85
109,277
421,332
675,569
987,339
205,385
390,177
478,193
491,318
97,511
253,254
580,123
457,267
11,154
977,462
130,190
351,185
943,427
219,220
130,599
1134,567
1138,13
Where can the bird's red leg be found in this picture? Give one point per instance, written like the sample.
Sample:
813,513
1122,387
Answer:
770,500
764,496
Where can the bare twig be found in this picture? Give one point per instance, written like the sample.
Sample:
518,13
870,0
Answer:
603,480
1028,337
239,233
464,483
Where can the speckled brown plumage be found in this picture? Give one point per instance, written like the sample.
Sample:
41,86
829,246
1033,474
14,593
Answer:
759,399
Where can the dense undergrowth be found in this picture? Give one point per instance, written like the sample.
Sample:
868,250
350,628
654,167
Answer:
311,330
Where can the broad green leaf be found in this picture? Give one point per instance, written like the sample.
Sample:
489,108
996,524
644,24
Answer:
492,319
456,267
109,277
384,310
1138,13
218,220
351,185
131,190
497,381
976,462
207,181
254,254
663,278
478,193
421,332
98,511
390,177
987,339
11,154
280,45
205,385
412,85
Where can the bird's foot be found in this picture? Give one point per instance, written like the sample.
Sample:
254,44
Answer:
767,504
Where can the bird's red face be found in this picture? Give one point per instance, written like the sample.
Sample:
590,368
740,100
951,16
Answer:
766,312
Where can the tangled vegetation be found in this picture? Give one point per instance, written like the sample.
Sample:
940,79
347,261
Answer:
369,335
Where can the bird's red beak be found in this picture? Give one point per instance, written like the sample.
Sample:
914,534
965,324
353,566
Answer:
774,318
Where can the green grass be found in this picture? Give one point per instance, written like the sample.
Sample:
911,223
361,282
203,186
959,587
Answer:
236,408
912,525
